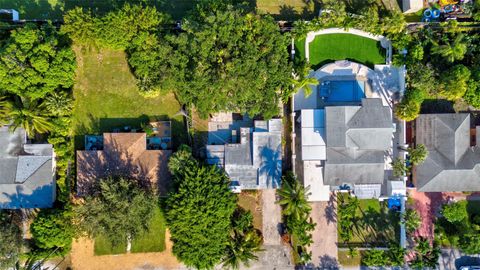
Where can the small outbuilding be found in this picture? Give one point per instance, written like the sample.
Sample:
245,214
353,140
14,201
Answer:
9,15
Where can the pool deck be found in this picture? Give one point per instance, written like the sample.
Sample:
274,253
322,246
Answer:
384,82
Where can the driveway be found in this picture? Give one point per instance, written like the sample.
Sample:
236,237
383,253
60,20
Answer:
275,256
324,247
454,259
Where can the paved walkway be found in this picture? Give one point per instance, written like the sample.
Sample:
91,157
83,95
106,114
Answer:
427,205
276,256
324,247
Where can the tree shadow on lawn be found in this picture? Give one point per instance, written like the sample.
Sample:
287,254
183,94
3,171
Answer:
378,227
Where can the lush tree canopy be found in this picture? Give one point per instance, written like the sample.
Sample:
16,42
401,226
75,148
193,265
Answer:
116,29
35,61
244,241
199,213
230,60
52,229
119,210
470,243
10,241
455,212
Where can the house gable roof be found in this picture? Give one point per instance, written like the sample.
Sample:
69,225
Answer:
357,138
27,172
123,154
447,138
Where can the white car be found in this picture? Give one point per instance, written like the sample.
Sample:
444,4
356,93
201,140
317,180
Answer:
470,268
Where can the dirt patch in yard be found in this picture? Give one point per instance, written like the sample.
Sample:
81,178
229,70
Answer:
252,201
82,258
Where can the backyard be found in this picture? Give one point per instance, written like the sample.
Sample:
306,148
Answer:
331,47
373,225
107,97
151,241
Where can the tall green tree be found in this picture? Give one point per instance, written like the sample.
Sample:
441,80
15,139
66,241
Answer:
35,61
244,241
10,240
58,103
375,257
119,210
455,212
451,51
411,220
199,213
53,229
470,243
426,254
399,167
27,114
418,154
454,82
114,30
230,59
293,198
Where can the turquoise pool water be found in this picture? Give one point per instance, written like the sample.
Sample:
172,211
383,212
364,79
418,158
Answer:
342,91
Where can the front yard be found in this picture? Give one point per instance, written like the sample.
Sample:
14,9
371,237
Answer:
151,241
107,97
331,47
374,225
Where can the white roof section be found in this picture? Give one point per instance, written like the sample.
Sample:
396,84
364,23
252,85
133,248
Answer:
409,6
313,177
313,135
396,188
368,191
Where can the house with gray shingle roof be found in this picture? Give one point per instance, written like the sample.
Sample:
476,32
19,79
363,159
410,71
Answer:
249,151
453,162
357,140
26,172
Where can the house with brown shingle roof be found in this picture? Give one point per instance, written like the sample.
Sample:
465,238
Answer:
122,155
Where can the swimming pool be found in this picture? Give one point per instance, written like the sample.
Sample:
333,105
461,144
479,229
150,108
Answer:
342,91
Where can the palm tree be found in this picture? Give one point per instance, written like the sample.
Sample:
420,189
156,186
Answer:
305,83
29,115
399,167
58,103
418,154
293,198
300,80
241,249
451,51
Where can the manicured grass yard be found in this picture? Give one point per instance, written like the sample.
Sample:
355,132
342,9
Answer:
374,224
331,47
103,246
152,241
345,259
107,97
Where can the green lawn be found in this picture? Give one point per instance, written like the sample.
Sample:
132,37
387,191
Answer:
154,239
107,97
374,224
345,259
103,246
331,47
